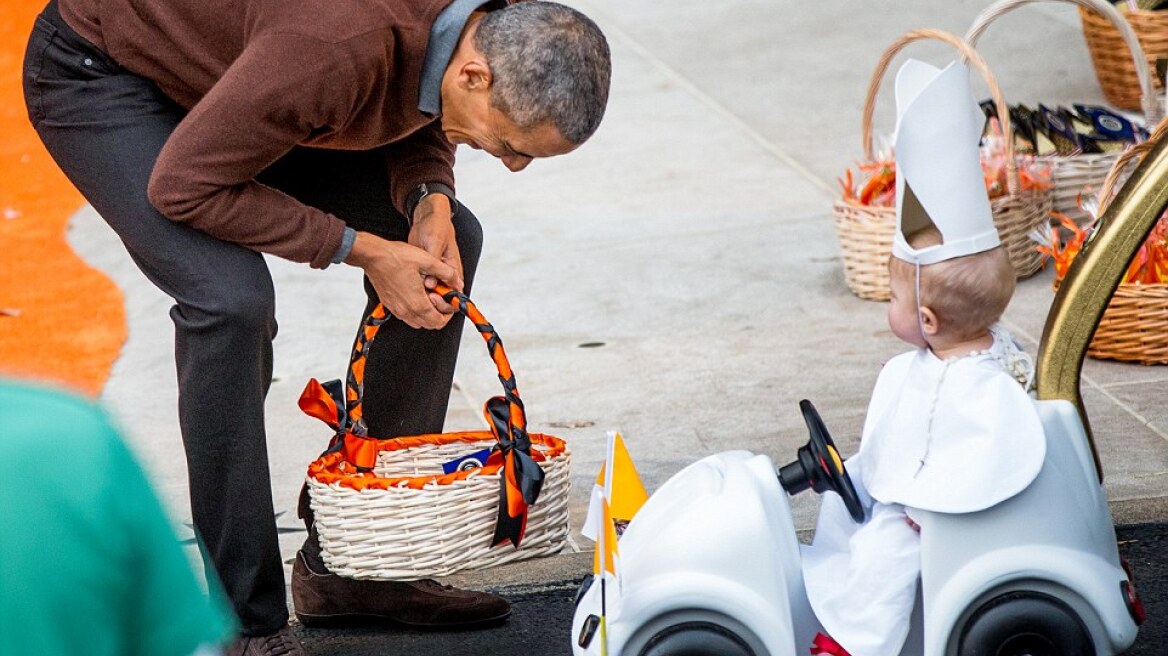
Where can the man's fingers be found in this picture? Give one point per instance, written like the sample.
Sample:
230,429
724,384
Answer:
441,305
453,259
403,276
427,317
421,311
436,320
444,273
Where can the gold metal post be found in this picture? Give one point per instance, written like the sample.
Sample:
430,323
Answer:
1093,277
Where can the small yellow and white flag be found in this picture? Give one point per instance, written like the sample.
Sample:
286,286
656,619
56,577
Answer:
607,552
619,483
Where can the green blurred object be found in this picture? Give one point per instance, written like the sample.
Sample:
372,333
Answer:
89,562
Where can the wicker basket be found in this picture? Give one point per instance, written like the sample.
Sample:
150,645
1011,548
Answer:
865,232
1072,174
1134,326
1121,79
386,508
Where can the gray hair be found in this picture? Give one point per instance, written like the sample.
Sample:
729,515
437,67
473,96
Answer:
549,64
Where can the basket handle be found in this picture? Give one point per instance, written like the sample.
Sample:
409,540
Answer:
521,479
355,380
1152,110
1013,183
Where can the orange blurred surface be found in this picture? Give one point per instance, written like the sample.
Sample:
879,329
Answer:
61,321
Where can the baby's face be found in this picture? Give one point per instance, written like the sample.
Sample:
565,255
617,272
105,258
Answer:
903,314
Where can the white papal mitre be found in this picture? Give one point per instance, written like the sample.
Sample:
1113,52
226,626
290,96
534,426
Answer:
939,178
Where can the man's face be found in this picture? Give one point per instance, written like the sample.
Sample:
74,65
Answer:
469,118
473,122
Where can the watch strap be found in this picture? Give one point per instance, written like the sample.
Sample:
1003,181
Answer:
423,190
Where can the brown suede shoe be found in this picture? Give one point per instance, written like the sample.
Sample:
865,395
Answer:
325,599
281,643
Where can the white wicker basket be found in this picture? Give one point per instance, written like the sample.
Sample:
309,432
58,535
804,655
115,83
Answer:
386,509
433,529
866,232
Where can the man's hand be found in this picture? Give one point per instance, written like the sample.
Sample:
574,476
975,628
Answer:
402,274
433,232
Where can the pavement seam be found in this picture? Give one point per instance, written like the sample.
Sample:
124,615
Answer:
1017,330
1128,409
471,403
612,30
611,244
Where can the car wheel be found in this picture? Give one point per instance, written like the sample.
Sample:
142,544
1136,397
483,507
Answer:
696,639
1025,624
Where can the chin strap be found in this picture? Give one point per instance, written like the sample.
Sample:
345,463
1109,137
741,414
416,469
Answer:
920,317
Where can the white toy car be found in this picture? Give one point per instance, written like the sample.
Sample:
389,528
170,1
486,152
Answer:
711,564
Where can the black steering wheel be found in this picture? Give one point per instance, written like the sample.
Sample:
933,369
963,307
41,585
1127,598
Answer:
818,466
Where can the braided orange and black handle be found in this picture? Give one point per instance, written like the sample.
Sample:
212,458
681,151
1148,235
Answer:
521,478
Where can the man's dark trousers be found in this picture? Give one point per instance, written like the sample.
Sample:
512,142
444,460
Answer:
105,126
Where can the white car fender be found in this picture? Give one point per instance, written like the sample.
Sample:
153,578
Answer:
718,536
1081,580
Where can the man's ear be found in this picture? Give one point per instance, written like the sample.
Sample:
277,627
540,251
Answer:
475,75
929,321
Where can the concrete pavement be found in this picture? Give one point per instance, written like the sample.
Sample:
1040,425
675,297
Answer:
691,238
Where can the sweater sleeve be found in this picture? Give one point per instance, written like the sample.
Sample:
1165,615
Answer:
423,157
279,92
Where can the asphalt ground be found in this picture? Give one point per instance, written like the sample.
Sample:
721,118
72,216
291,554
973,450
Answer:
1145,547
541,619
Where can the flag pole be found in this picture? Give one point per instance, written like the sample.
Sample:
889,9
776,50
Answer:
603,620
604,546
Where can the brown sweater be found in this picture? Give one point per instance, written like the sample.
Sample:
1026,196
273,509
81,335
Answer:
262,76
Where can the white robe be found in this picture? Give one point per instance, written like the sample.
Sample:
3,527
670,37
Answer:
953,436
862,578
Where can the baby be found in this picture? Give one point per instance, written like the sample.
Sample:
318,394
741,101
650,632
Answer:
950,427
